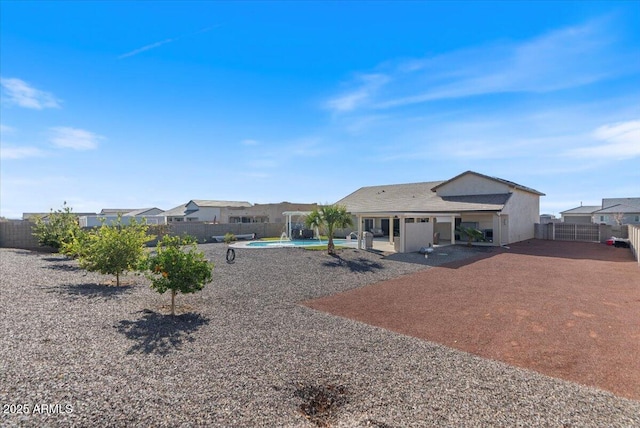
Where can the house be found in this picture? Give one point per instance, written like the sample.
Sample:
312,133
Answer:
45,216
266,213
618,211
612,211
414,214
233,211
202,210
581,214
110,215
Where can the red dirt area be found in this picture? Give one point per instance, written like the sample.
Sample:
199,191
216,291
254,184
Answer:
565,309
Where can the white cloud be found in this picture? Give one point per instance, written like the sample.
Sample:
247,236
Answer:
369,84
5,129
146,48
20,152
74,138
163,42
564,58
617,141
249,142
20,93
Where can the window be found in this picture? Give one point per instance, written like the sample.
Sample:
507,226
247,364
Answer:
636,218
601,218
368,224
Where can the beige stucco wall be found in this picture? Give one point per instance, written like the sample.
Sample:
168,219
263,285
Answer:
472,184
417,235
523,209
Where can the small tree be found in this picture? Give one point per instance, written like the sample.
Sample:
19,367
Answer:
114,248
329,217
58,229
178,266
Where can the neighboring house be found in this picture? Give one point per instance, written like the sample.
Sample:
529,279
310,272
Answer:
116,211
110,215
581,214
612,211
505,211
266,213
618,211
233,211
45,216
548,218
203,210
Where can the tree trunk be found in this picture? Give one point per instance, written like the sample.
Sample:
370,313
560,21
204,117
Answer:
173,302
117,279
331,248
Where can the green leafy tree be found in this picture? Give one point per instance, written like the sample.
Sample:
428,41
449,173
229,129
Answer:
58,229
115,248
178,266
472,234
330,218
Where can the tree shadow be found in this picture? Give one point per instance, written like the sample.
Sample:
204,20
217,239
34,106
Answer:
160,334
359,265
66,267
91,291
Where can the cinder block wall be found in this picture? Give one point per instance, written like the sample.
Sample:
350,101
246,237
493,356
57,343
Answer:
19,234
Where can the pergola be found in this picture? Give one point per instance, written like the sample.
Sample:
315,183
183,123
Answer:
289,215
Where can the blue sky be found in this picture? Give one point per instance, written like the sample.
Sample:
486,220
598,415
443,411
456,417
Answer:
141,104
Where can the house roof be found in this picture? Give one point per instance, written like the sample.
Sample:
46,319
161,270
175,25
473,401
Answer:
178,211
220,204
586,209
122,211
619,208
31,216
629,202
499,180
417,197
142,211
182,210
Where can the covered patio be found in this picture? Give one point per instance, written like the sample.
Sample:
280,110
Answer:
409,231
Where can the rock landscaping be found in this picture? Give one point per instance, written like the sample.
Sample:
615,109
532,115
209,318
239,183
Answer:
243,352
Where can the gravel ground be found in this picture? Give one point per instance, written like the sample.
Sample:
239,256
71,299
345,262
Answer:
243,352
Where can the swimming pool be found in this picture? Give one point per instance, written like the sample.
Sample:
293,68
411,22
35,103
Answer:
296,243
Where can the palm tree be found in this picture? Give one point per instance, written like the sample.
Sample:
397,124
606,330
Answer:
472,234
329,217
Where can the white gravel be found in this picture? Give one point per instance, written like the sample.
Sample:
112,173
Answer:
74,352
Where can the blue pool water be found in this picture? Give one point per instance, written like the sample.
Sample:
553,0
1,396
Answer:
306,243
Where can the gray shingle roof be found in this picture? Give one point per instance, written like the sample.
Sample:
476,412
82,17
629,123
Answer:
586,209
417,197
619,208
500,180
220,204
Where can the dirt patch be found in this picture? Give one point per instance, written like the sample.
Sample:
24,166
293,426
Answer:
321,402
565,309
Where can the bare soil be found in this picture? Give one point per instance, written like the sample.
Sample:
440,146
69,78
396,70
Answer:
565,309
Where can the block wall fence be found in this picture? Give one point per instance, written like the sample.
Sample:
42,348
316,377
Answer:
19,233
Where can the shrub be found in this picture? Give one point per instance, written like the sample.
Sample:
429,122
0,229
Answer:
59,228
229,238
114,248
178,266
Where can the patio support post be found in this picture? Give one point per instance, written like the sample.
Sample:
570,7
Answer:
402,234
453,230
390,230
360,237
